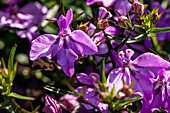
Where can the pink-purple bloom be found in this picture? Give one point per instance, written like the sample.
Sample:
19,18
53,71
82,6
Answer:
28,17
141,69
161,94
90,94
51,105
69,102
64,46
106,3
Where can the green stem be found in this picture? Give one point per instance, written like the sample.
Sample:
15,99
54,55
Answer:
155,45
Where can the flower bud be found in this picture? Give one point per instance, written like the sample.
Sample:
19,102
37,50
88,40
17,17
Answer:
69,102
103,24
51,106
122,21
137,7
5,70
104,96
141,21
154,17
83,28
126,90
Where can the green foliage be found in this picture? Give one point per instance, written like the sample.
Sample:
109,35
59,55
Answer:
20,96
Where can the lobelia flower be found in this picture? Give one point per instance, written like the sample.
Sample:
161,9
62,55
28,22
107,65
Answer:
28,17
51,105
141,69
69,102
106,3
90,94
98,38
64,46
161,94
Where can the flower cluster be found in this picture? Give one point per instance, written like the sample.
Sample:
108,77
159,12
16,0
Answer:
116,59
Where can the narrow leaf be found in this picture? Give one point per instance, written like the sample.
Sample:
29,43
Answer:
160,30
36,109
103,72
83,91
132,84
77,15
3,63
124,102
11,59
62,9
20,96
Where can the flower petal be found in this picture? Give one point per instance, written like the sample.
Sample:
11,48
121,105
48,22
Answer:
66,58
83,78
115,77
151,60
62,23
69,17
44,46
81,43
144,85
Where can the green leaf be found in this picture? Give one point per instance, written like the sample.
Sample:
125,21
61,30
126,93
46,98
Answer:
3,63
124,102
77,15
57,90
160,30
132,84
155,10
83,91
113,91
14,71
11,59
20,96
102,71
63,9
136,39
36,109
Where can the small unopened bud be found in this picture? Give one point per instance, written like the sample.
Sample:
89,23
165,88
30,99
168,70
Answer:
5,70
126,90
104,96
122,21
103,24
83,28
69,102
137,7
154,17
141,21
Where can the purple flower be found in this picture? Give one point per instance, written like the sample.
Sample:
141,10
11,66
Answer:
65,45
69,102
28,17
141,69
90,94
98,38
106,3
51,106
161,94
